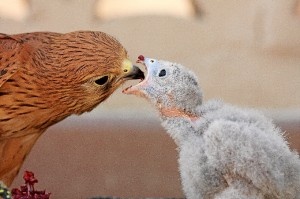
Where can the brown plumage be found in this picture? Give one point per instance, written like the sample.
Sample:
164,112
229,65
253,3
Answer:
45,77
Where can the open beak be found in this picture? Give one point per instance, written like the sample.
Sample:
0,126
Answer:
138,88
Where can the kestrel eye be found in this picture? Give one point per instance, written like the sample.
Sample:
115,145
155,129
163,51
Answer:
151,60
162,73
102,80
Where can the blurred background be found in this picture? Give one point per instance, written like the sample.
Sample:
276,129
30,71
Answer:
244,52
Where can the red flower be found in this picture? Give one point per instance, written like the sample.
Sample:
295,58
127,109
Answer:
29,178
27,191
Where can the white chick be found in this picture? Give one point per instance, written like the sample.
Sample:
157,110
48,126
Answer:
224,151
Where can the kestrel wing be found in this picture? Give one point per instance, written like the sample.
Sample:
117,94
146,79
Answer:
10,49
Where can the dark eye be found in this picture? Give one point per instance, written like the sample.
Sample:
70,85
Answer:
102,80
162,73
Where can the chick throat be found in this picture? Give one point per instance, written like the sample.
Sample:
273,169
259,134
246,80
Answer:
173,112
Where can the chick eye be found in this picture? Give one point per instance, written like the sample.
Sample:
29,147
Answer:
102,80
162,73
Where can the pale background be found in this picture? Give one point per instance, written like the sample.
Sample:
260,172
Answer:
244,52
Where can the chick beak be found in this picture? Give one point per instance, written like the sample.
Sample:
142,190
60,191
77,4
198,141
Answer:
138,89
136,74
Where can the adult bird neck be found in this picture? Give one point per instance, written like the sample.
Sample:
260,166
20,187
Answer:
13,153
23,118
24,110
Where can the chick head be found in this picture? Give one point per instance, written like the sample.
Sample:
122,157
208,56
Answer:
169,86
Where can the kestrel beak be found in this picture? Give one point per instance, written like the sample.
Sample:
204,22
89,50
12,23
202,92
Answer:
131,72
139,88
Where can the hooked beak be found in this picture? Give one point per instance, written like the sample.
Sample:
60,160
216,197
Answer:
130,71
138,88
135,73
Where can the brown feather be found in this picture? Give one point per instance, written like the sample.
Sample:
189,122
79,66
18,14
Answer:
44,78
